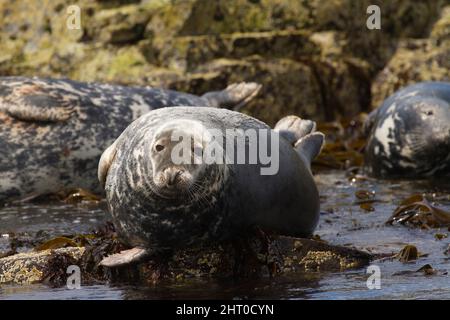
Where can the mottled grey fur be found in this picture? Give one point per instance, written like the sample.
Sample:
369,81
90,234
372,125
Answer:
53,131
409,134
235,196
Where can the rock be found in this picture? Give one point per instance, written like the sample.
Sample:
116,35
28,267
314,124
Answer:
317,57
187,53
31,267
254,257
289,87
399,20
196,17
349,17
441,29
122,25
416,60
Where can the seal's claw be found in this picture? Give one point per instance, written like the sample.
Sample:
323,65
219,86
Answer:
310,145
235,96
125,257
293,128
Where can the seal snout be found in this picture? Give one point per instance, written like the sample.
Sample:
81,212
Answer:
172,176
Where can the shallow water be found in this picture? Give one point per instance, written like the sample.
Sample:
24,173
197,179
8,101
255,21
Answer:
342,222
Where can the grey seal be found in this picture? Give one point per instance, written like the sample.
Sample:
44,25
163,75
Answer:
158,204
53,131
409,134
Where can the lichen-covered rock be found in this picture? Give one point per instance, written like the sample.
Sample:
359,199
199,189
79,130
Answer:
255,256
297,48
120,25
187,53
416,60
441,29
30,267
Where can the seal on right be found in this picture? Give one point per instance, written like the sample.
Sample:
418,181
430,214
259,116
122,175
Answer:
409,134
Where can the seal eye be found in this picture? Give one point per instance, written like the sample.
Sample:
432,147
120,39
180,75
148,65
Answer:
159,147
429,113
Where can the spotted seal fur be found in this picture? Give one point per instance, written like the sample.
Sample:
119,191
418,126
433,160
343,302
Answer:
409,134
158,204
53,131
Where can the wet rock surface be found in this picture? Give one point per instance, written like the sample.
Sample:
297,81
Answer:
32,267
251,257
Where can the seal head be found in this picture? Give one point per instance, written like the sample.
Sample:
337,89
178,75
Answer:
410,133
175,173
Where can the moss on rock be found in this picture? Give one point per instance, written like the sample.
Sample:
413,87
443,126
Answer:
30,267
257,256
296,48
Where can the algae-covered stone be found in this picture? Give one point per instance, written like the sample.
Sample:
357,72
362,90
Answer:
252,257
186,53
414,61
320,88
120,25
255,256
29,267
317,58
200,17
441,30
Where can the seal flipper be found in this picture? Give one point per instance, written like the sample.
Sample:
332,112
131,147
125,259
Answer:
34,101
310,146
125,257
292,128
34,113
235,96
105,162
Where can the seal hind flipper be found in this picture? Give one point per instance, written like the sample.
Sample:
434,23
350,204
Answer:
310,145
235,96
33,113
293,128
36,101
105,162
125,257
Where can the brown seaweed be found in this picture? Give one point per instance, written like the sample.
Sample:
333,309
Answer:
416,211
344,145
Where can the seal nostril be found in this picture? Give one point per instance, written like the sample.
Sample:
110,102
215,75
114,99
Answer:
159,147
172,179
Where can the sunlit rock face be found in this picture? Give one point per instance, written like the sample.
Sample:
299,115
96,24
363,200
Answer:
316,59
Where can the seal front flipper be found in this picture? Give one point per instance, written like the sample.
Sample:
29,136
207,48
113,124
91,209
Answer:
292,128
33,113
235,96
33,102
310,146
125,257
105,162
